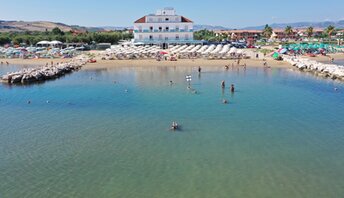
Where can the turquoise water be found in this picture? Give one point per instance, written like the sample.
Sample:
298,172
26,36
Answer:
281,135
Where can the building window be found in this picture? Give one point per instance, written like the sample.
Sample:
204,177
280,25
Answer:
159,20
177,37
186,28
150,37
167,19
160,29
186,37
160,37
151,28
140,28
177,28
167,29
150,19
166,38
140,37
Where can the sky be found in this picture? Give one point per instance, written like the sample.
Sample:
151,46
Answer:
122,13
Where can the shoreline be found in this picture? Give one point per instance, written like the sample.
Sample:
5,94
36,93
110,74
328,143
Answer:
110,64
102,64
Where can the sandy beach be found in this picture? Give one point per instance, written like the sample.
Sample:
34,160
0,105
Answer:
100,64
326,58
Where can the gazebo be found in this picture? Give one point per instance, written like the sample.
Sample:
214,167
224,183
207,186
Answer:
43,44
57,44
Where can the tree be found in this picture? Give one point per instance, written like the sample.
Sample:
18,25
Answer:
329,30
288,31
57,31
205,35
267,32
309,31
4,40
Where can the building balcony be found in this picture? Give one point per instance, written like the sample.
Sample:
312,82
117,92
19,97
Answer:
162,31
159,41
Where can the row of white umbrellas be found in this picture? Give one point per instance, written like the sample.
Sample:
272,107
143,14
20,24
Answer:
132,51
206,49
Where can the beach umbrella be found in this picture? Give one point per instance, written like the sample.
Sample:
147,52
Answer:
282,51
163,53
275,55
233,50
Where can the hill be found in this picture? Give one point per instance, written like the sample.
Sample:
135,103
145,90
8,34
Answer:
41,26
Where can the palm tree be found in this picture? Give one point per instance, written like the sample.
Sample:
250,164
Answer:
267,32
330,29
288,31
309,31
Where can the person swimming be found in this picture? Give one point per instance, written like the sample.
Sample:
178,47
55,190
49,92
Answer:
174,126
232,88
224,101
226,67
223,84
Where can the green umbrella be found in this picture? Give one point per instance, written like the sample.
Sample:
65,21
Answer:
275,55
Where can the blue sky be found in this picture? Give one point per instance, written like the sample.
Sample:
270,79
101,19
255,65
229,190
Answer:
233,14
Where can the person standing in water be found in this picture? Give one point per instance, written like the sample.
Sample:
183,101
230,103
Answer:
232,88
199,69
223,84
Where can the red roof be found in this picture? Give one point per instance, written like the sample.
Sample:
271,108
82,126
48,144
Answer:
186,20
141,20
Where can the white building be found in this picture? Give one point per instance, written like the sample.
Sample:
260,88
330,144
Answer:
165,27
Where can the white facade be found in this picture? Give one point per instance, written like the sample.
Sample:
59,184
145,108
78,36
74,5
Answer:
163,27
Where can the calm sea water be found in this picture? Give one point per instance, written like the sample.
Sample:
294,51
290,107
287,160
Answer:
281,135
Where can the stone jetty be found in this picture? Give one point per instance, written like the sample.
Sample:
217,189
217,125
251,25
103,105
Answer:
335,72
43,73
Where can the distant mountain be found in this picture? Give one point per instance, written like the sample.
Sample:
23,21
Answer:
209,27
325,24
